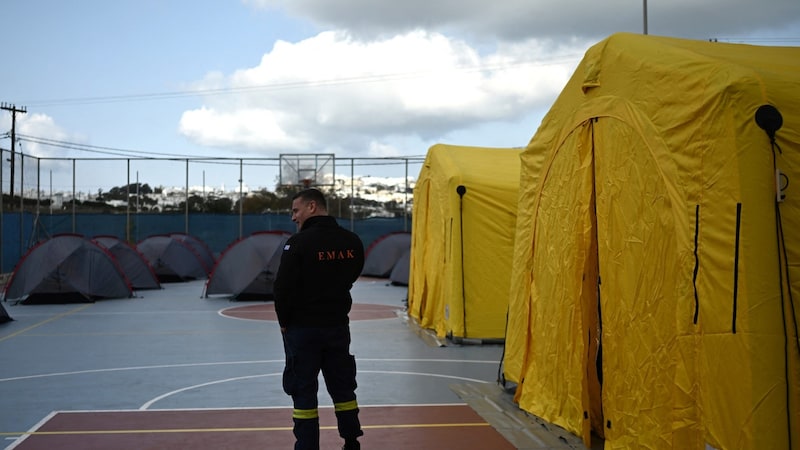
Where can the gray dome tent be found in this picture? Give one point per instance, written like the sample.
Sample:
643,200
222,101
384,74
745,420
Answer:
134,265
175,257
67,268
401,269
384,253
247,268
204,254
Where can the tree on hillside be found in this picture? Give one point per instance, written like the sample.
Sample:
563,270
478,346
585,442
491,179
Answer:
221,205
122,192
195,204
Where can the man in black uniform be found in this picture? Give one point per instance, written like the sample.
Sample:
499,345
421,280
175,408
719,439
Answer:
318,267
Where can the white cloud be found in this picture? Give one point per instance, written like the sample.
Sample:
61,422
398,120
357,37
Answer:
249,127
333,92
396,77
38,126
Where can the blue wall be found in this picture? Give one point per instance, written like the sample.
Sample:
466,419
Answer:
218,231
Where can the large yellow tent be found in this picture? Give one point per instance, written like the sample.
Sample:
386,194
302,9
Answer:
656,292
462,237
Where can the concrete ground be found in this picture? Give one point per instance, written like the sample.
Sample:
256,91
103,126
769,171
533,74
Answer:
86,375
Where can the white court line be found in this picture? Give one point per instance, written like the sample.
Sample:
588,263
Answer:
150,403
266,361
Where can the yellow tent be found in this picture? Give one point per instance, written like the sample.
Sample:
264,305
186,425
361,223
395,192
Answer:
465,202
656,290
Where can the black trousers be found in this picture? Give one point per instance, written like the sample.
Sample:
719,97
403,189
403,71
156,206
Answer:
309,351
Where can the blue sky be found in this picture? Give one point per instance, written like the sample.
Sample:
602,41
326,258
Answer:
357,78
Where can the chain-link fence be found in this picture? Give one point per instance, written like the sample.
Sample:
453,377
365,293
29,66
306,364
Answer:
218,200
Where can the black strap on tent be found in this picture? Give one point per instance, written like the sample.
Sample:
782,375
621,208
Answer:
461,190
736,266
769,119
696,261
501,377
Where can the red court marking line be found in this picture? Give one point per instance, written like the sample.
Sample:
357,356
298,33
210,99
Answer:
423,427
359,311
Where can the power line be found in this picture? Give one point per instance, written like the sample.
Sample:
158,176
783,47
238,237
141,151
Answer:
278,86
140,154
96,148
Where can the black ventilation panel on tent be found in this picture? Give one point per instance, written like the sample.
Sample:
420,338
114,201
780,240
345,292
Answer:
769,119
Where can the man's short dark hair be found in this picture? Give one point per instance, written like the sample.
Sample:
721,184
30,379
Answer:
312,194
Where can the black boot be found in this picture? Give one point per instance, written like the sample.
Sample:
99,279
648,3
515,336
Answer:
351,445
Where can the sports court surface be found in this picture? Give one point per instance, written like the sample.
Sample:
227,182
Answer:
172,370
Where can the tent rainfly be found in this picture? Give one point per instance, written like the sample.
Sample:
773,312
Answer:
134,265
174,258
654,291
67,268
465,202
247,268
384,253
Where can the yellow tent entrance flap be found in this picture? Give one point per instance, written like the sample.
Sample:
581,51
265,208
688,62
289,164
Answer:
654,297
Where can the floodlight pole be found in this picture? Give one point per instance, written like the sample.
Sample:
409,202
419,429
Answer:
405,206
352,193
644,10
73,195
241,196
21,205
38,185
127,204
136,215
186,221
2,254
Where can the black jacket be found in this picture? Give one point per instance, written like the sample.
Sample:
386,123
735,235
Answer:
318,267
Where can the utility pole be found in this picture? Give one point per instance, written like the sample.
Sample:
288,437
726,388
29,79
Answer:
14,110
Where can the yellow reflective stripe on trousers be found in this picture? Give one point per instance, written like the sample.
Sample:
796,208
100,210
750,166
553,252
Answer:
305,414
345,406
